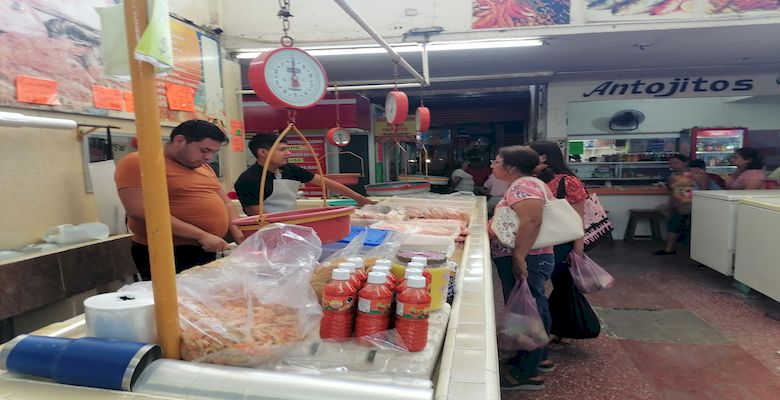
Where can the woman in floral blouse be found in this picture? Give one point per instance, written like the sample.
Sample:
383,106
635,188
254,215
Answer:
526,196
563,183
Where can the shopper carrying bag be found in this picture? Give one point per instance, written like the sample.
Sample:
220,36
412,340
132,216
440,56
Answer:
560,222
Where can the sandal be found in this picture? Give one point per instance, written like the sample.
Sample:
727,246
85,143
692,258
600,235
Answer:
546,366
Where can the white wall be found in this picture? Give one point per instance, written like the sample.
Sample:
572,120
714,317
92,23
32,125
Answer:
562,93
200,12
671,115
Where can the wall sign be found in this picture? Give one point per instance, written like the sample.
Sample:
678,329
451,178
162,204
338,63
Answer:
670,88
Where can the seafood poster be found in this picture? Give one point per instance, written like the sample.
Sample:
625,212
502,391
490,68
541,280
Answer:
643,10
517,13
59,40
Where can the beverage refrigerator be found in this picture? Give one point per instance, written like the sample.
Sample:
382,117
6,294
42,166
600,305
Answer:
715,146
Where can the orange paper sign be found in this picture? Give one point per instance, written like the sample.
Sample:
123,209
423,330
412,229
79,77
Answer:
36,91
108,98
236,127
128,98
180,97
237,143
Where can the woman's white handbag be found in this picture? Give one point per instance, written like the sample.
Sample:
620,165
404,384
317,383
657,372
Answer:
560,223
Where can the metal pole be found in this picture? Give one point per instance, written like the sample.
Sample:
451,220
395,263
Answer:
393,54
157,212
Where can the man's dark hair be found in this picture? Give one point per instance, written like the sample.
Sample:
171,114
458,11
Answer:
196,130
263,141
523,158
679,157
697,164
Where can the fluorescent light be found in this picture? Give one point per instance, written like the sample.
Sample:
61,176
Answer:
406,47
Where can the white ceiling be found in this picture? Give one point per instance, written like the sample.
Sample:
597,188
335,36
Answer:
713,50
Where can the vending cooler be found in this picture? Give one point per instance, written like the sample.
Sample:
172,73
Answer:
715,146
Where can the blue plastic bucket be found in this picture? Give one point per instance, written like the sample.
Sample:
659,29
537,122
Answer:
93,362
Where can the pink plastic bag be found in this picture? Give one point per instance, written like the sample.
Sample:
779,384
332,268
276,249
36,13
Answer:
521,327
589,276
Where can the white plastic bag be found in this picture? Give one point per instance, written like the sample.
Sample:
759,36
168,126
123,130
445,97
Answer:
521,326
587,275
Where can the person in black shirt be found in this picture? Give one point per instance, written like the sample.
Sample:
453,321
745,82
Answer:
283,180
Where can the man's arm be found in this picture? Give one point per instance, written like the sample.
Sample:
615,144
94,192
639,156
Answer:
529,213
133,201
339,188
236,233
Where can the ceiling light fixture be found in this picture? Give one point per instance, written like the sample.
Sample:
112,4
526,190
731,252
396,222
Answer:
321,51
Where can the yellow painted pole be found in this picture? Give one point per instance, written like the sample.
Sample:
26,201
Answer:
156,209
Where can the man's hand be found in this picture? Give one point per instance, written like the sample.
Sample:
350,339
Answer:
213,243
365,200
520,269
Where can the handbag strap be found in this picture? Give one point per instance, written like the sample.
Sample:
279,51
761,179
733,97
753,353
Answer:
560,192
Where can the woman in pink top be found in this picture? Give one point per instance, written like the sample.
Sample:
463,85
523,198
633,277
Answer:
526,196
750,170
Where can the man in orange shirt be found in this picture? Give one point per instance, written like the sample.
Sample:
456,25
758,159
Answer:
200,210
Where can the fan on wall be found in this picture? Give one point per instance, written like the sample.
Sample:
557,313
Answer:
626,120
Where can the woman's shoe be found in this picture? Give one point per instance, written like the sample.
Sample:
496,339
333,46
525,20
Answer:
546,366
522,384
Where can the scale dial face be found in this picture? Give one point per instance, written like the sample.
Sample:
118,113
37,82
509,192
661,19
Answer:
396,107
288,77
422,119
338,136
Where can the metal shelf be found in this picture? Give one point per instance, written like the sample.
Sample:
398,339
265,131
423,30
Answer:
574,164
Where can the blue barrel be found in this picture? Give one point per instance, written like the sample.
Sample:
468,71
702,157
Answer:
93,362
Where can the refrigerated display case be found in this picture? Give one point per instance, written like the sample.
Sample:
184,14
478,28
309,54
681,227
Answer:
715,146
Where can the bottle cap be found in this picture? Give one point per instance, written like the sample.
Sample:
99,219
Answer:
349,266
340,274
415,282
383,261
358,261
381,268
415,265
413,272
420,259
377,277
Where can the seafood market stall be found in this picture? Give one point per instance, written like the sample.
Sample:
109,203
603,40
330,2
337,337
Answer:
311,366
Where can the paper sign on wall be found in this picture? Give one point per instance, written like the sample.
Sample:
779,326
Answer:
237,143
128,98
180,97
236,127
107,98
36,91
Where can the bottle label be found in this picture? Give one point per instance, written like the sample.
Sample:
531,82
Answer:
368,306
413,311
337,303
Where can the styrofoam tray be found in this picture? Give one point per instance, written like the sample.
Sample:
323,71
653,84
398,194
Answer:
429,243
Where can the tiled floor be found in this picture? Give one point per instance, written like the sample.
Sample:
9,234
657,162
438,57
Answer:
726,346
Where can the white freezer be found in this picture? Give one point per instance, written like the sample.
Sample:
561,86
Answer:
757,262
713,226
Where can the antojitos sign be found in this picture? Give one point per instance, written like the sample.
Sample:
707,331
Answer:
669,87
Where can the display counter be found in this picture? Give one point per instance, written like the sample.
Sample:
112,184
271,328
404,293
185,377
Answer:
471,372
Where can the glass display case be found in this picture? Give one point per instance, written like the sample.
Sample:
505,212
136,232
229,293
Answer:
626,172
